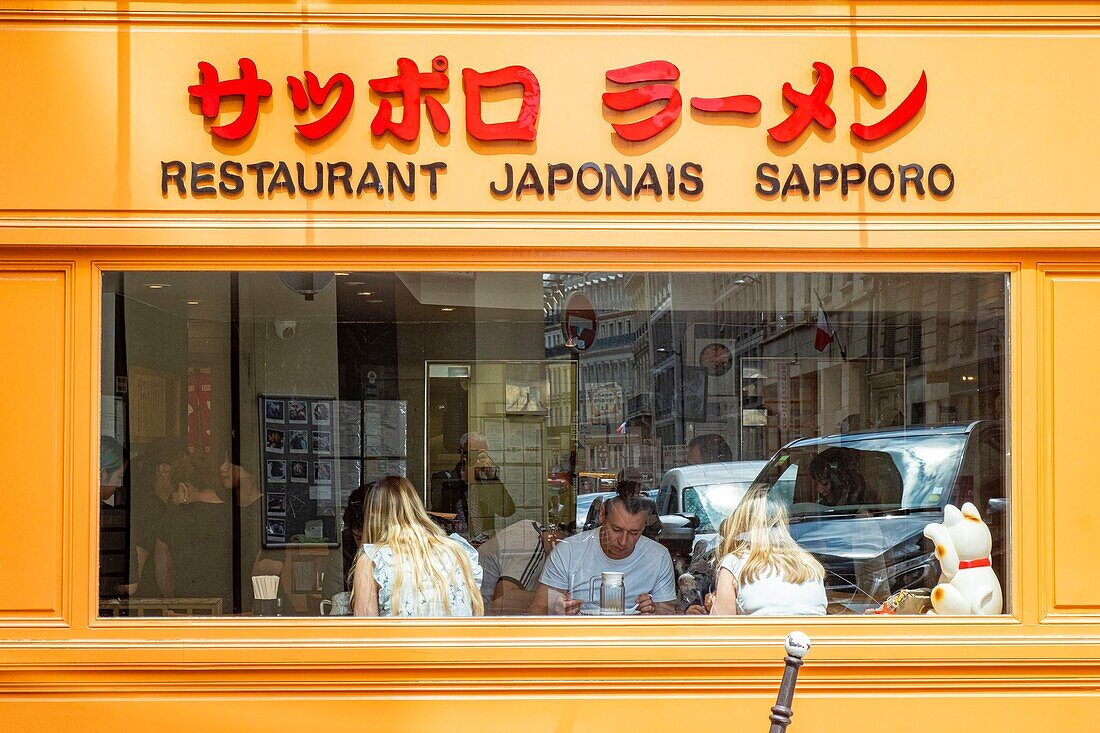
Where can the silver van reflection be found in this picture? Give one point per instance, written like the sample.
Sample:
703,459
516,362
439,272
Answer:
693,500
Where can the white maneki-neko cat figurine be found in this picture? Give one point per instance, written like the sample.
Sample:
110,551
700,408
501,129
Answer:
968,585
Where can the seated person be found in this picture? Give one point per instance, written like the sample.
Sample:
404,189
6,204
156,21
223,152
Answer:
617,546
629,483
339,566
473,492
763,571
488,501
837,480
193,558
406,566
512,562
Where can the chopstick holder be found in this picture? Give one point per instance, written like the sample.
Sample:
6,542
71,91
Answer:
265,587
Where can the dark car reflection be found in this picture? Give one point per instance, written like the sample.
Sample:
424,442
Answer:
859,502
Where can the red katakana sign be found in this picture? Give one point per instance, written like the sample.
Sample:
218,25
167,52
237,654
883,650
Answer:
648,82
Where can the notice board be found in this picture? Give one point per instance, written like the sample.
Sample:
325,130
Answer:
298,436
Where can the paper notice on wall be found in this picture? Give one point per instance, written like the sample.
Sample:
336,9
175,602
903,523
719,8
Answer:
348,473
372,432
113,417
494,437
384,428
349,415
532,443
513,441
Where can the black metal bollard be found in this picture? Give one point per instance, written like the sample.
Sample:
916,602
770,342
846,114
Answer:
797,646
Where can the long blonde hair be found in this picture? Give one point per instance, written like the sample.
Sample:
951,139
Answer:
757,531
394,517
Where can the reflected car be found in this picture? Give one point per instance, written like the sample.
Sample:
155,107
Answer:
693,500
860,501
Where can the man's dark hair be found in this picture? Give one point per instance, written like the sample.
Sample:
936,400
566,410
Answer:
353,512
631,504
713,448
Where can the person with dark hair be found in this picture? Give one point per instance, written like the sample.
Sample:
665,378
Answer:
239,485
618,545
352,536
628,483
473,491
836,478
708,448
194,558
339,564
150,489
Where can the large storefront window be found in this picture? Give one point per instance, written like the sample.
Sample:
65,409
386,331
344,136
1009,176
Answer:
246,416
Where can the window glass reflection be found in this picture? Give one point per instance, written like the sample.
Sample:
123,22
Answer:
576,443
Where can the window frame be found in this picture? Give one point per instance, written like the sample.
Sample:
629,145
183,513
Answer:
550,629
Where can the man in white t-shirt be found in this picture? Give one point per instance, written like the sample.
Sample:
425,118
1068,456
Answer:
616,546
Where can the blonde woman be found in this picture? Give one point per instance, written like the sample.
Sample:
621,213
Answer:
407,566
762,570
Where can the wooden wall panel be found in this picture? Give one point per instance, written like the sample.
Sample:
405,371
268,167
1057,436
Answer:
1074,306
32,443
821,712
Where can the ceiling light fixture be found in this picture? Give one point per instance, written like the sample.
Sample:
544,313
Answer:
446,310
157,286
306,284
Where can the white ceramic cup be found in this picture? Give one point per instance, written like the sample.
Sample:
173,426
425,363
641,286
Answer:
340,605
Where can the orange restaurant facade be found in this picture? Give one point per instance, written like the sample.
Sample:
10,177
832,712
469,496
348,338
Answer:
109,165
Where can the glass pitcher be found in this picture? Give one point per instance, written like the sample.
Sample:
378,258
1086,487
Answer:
612,592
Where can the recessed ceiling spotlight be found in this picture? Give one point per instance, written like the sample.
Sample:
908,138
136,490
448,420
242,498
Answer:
354,282
446,310
157,286
365,292
341,274
193,302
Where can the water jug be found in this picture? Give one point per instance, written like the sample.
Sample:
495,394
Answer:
612,593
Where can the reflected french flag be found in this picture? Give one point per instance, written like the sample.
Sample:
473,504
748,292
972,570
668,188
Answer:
824,334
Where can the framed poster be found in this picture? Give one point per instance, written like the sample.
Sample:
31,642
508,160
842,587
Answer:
525,388
298,440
